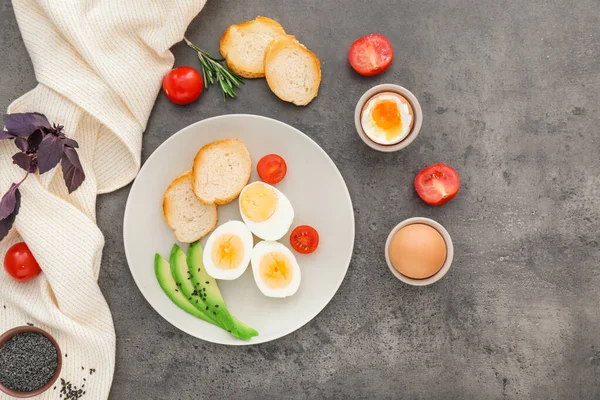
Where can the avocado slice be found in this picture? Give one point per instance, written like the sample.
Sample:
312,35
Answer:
207,285
181,275
169,286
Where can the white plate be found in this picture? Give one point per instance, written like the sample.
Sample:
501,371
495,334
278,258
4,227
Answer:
314,186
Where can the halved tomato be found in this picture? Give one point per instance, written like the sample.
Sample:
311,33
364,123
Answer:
272,169
371,55
304,239
437,184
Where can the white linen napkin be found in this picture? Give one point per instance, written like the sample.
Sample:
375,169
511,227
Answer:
99,64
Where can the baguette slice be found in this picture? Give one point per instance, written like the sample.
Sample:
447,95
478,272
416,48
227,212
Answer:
293,72
185,214
221,170
243,46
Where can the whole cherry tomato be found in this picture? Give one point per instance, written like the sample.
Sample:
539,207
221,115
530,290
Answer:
20,263
183,85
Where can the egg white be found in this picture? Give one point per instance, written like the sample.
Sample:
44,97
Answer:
265,247
278,224
236,228
379,135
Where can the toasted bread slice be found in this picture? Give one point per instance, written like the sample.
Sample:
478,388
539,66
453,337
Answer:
293,72
221,170
189,217
243,46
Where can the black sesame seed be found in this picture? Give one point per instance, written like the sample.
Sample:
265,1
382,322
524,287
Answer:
214,313
206,308
198,269
207,282
216,306
27,361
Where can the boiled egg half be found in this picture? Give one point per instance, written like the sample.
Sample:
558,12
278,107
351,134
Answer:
228,251
275,269
266,211
387,118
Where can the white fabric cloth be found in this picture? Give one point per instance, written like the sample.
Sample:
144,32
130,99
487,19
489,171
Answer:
99,64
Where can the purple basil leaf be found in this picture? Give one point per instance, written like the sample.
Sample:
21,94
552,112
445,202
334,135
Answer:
25,161
26,123
21,143
50,152
5,135
34,140
72,169
71,143
7,223
9,201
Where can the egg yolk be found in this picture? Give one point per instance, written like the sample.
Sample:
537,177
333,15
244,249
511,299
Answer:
387,116
228,251
276,270
258,202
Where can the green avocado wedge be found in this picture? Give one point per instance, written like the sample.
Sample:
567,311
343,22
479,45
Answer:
181,275
207,285
162,270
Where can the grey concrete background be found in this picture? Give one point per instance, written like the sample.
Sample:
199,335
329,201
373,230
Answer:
510,92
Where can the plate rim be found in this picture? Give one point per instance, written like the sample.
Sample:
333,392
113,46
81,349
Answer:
256,340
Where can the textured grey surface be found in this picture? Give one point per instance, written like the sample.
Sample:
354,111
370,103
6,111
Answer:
510,93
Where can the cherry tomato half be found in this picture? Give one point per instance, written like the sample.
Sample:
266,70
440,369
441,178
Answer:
183,85
20,263
304,239
371,55
272,169
437,184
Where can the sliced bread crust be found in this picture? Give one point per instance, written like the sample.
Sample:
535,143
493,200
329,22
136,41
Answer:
243,46
221,170
293,72
185,214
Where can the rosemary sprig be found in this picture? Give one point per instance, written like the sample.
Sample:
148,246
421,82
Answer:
214,71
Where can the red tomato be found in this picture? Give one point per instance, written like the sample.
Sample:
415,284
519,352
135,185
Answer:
437,184
371,55
183,85
304,239
20,263
272,169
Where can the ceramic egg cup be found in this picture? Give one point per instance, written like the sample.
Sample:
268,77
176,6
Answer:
417,112
449,252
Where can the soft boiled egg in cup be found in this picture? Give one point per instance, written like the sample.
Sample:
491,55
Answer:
266,211
388,117
228,251
275,269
